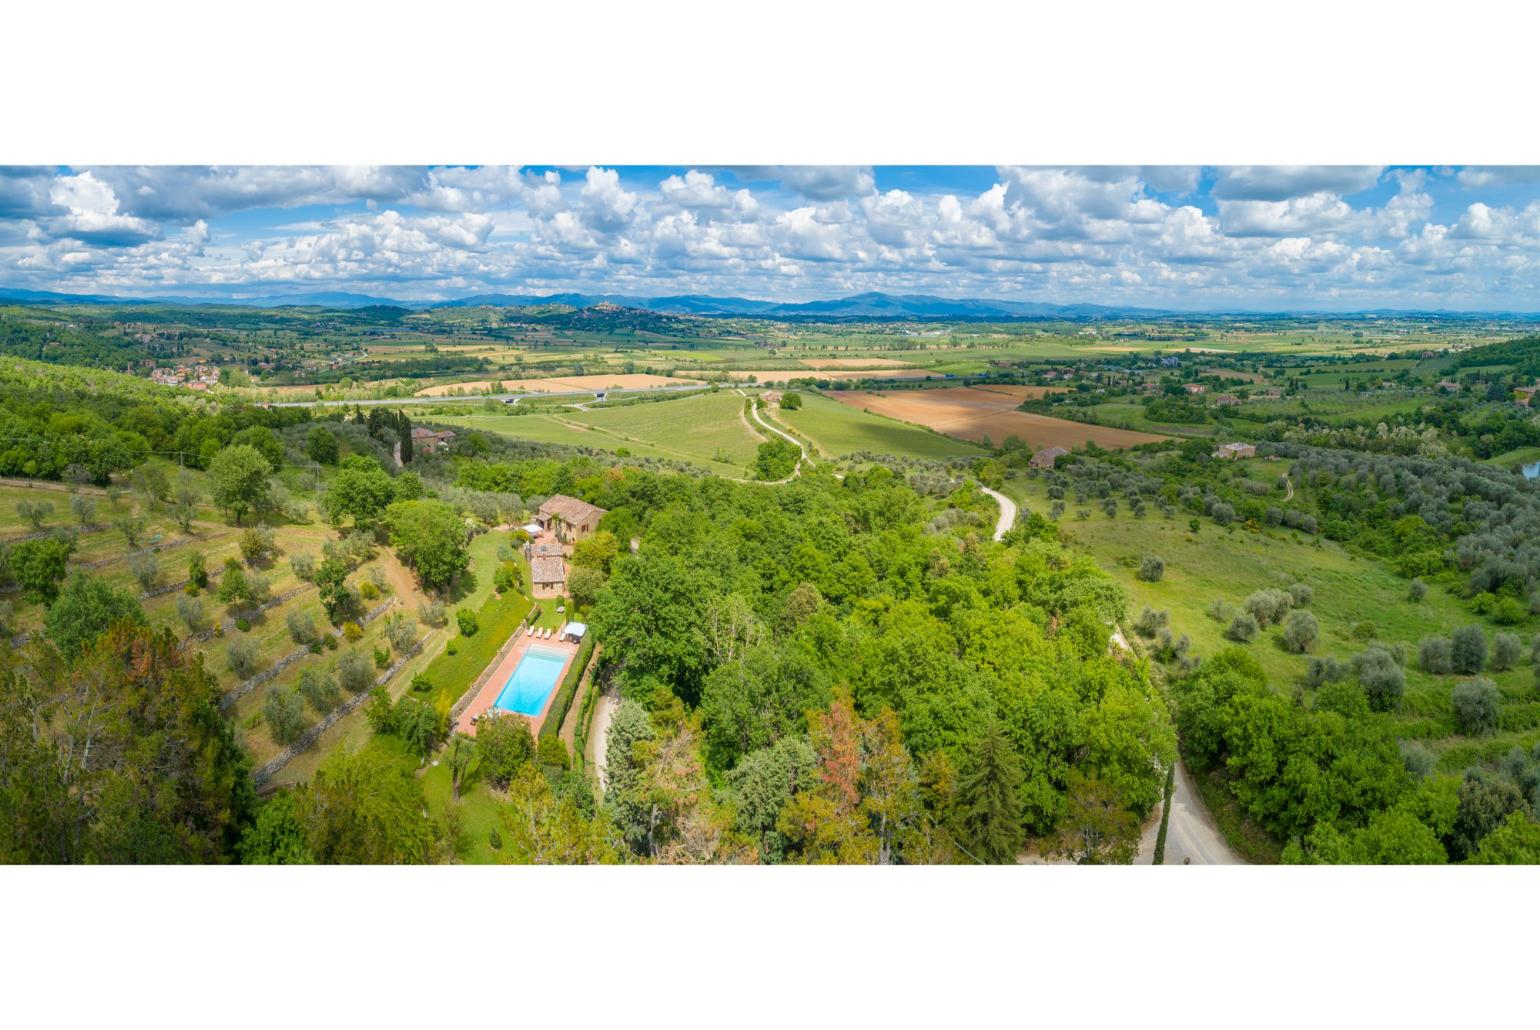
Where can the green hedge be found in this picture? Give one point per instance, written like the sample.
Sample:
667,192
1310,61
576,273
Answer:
1165,817
580,737
568,689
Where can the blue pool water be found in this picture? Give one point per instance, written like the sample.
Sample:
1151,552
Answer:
532,681
1532,471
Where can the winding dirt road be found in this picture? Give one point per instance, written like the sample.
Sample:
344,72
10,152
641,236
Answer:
1007,511
1192,837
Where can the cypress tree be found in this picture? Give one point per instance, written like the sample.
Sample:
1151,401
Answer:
404,431
988,807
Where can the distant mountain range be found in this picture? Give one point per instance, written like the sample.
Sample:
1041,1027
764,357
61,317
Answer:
860,307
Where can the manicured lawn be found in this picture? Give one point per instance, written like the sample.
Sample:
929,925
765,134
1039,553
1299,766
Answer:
452,674
478,810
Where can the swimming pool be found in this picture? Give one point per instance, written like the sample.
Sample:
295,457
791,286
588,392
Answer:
532,681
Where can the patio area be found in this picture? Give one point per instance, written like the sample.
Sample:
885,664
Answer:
492,683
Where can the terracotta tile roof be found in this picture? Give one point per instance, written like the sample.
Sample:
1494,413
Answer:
547,570
571,510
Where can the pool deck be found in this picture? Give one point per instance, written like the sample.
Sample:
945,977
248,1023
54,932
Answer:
487,695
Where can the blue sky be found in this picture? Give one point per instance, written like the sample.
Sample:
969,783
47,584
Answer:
1197,238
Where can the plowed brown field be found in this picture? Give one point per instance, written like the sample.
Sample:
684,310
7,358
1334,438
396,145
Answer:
974,412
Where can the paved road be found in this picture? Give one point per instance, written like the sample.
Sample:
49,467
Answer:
1007,511
1191,836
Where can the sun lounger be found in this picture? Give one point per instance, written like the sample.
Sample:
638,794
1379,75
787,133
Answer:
530,631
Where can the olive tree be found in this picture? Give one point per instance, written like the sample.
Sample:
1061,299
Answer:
1476,706
1383,679
1468,650
1507,649
1300,632
1243,628
1433,654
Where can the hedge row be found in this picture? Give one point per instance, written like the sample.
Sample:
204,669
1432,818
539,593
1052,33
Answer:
1165,817
568,690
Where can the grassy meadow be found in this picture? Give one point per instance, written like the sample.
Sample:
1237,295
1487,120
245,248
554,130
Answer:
1357,600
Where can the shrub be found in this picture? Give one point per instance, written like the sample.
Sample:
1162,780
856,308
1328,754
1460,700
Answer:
1418,759
303,566
1365,630
1507,649
145,568
190,611
1151,622
1325,670
1170,648
1433,654
466,620
34,513
1418,590
243,624
422,684
1300,632
241,657
352,632
258,544
1509,611
400,630
1476,705
197,572
354,672
132,528
320,689
506,577
552,752
1151,569
302,629
1243,628
381,658
1346,699
1301,595
1383,680
284,713
1222,610
368,591
505,746
1269,606
1468,650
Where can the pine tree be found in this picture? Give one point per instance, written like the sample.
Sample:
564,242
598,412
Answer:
988,808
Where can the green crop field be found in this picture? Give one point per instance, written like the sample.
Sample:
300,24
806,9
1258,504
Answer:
837,430
706,429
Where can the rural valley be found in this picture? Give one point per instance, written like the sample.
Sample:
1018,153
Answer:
599,584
